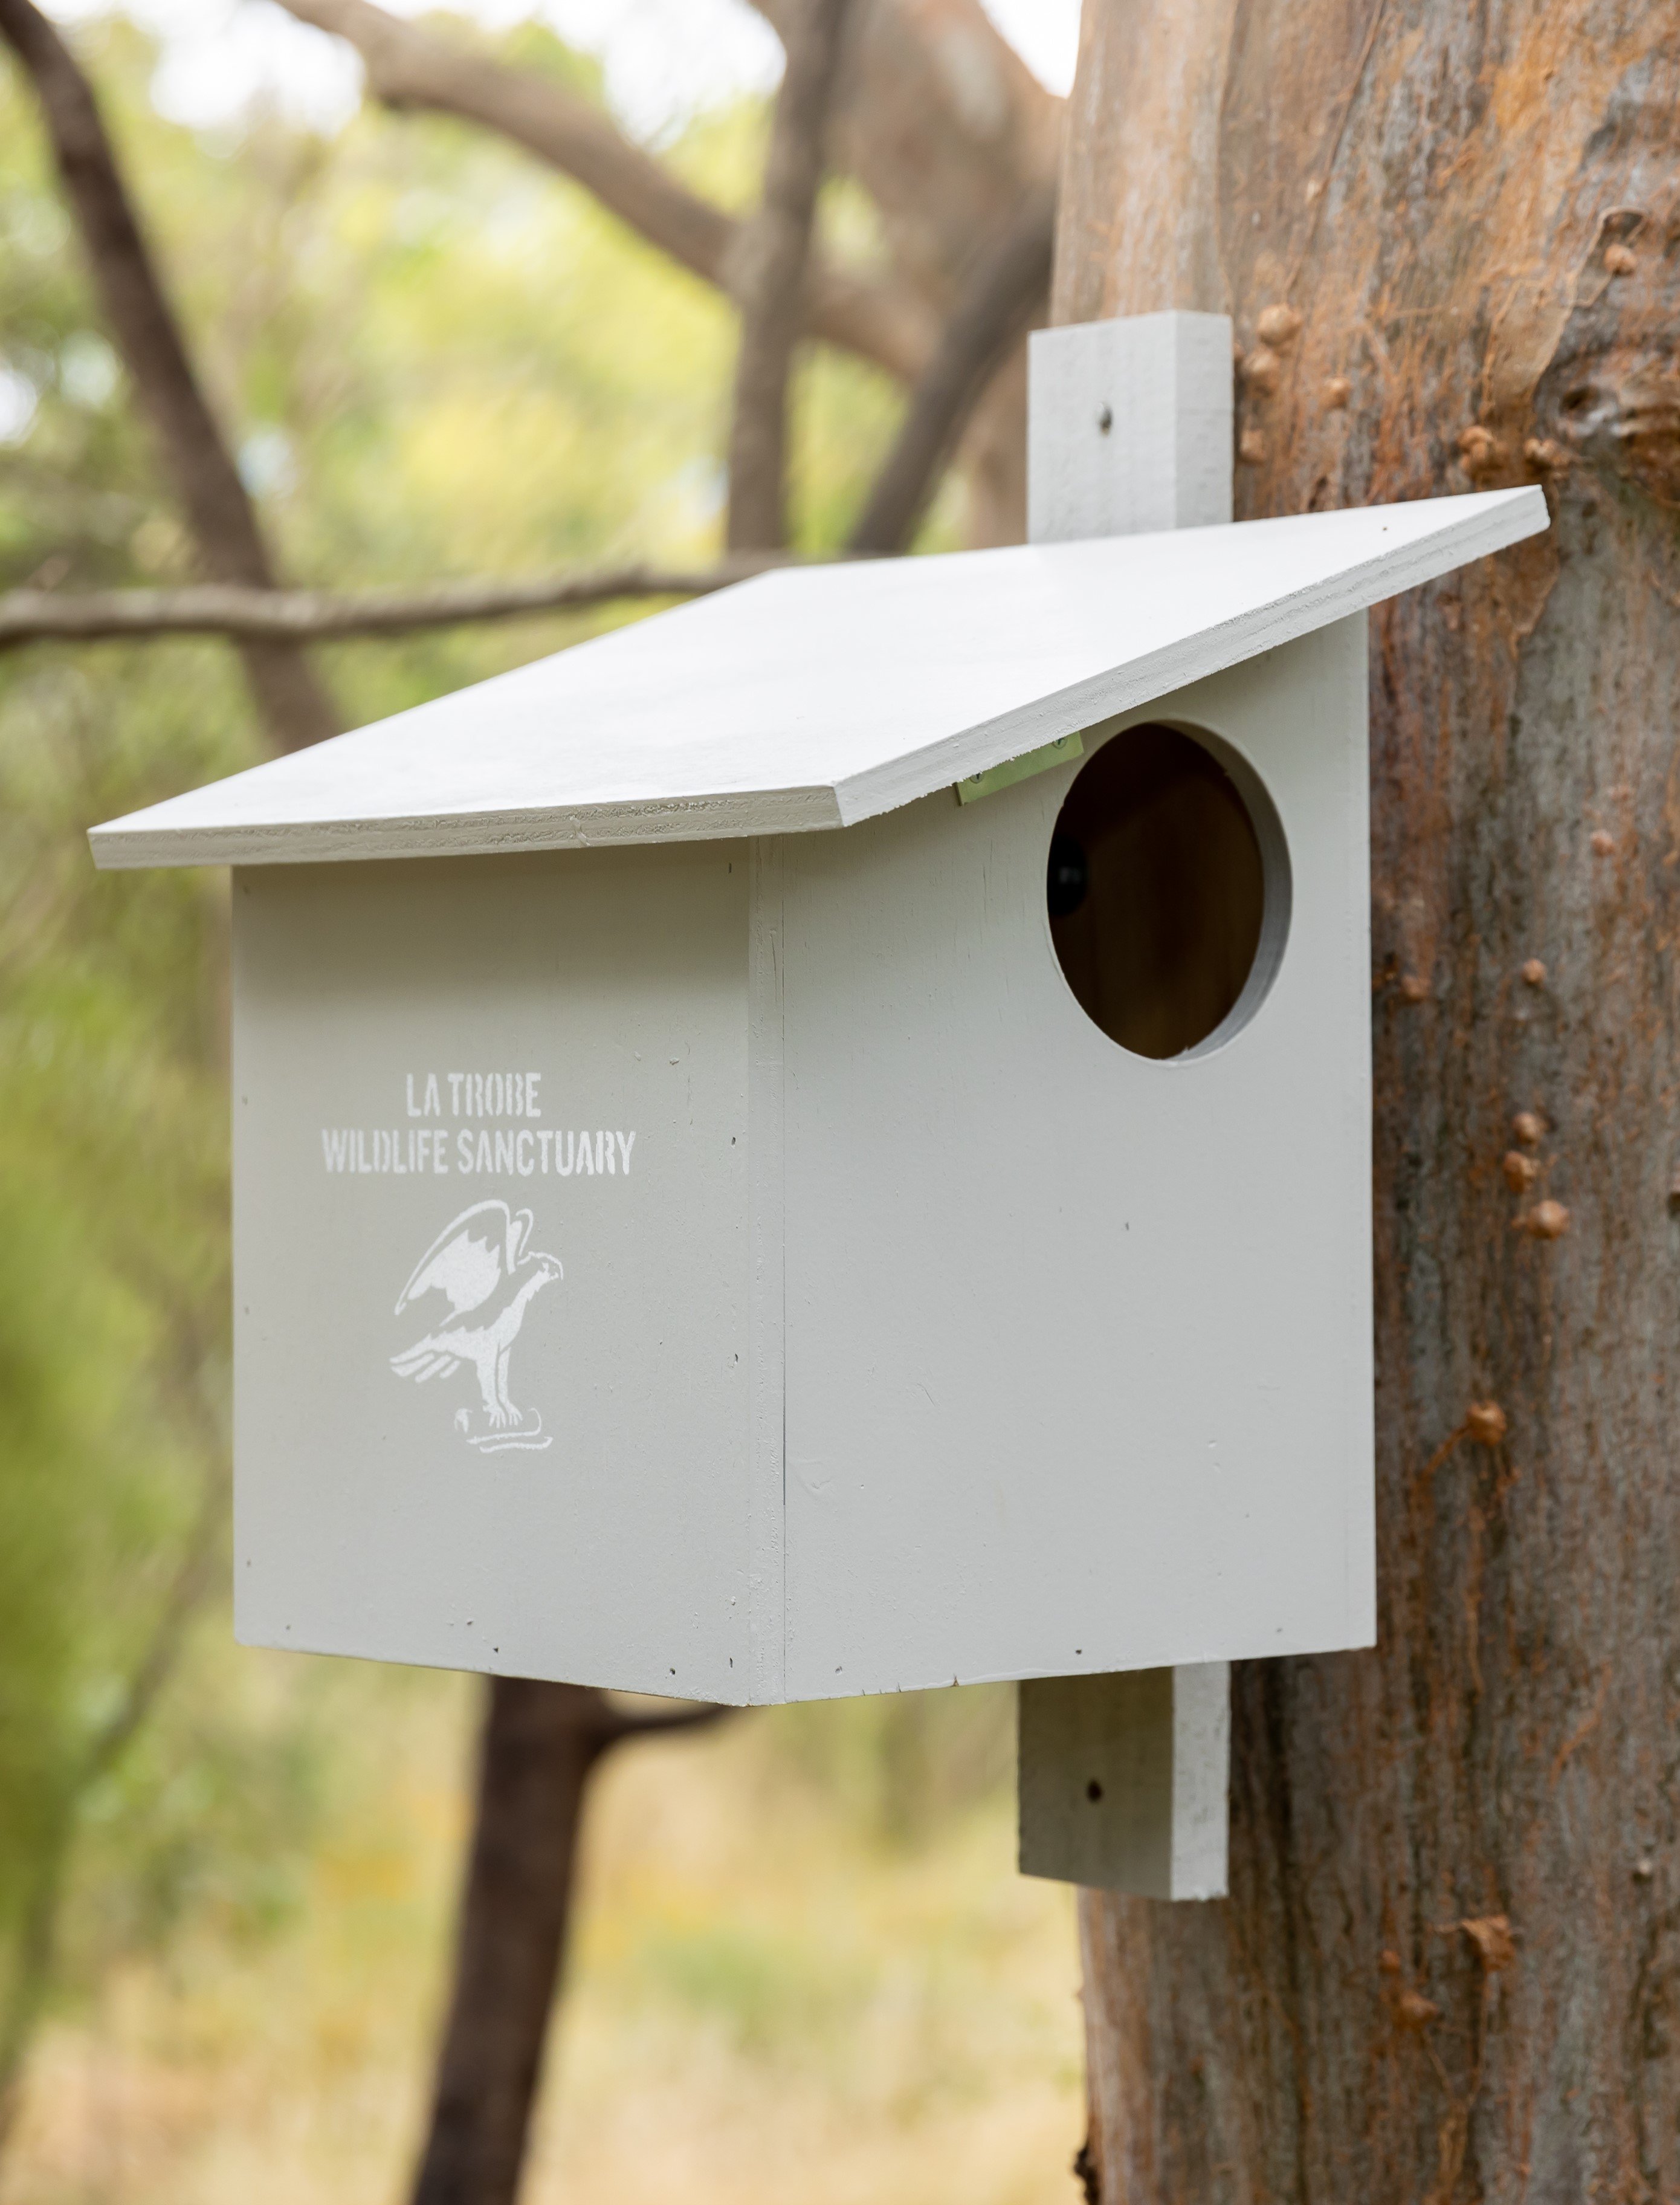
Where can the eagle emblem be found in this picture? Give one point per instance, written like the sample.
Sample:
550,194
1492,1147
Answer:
482,1266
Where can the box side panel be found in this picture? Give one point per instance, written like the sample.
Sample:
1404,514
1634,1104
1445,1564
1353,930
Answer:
1347,646
767,1499
491,1264
1078,1344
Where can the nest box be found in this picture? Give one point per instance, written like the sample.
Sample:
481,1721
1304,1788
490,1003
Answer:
819,1142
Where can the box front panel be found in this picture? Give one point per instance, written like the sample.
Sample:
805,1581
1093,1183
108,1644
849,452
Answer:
1078,1342
491,1264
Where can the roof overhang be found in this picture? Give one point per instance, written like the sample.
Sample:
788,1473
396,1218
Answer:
813,697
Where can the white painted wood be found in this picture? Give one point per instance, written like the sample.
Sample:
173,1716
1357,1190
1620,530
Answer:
931,1337
1201,1781
820,697
1129,426
1079,1343
1095,1759
1130,431
378,1509
1114,1781
766,1166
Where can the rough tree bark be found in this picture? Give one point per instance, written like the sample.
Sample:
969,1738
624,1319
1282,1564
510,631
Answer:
294,704
1449,1964
775,255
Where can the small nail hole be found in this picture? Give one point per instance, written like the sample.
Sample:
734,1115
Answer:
1093,1791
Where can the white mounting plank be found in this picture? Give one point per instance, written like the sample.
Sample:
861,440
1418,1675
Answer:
1129,426
1124,1779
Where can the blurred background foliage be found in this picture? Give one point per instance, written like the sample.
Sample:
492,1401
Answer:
436,359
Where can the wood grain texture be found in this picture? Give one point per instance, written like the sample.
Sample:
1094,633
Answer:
1145,239
754,711
1448,1966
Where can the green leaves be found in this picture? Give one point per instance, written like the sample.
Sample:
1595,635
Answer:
435,357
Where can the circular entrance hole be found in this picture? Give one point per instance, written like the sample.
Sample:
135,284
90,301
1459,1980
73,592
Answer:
1168,890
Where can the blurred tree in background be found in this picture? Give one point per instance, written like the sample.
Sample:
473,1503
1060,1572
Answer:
439,360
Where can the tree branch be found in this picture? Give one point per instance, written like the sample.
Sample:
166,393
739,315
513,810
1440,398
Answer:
944,126
540,1743
775,259
222,609
1006,291
408,66
614,1727
293,703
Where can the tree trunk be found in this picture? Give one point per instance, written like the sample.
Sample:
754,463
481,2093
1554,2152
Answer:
952,136
1448,1965
1005,298
539,1743
775,254
537,1748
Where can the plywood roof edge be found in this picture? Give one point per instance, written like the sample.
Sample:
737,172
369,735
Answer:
1519,513
121,847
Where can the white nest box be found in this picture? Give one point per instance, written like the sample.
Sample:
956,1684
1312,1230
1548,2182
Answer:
819,1144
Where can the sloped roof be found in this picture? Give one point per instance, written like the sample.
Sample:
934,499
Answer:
816,696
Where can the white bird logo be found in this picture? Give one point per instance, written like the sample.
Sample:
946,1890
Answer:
473,1259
